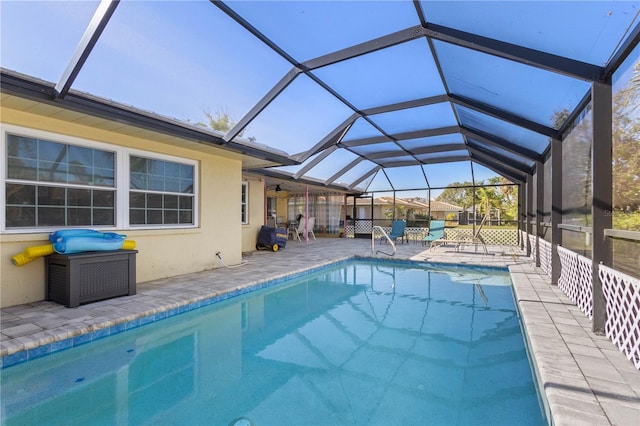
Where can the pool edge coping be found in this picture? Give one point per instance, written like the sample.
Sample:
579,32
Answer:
56,341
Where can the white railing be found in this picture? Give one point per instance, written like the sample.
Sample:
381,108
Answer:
622,294
532,244
575,279
490,236
373,241
495,236
545,256
545,249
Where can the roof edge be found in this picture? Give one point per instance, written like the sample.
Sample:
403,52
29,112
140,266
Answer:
35,89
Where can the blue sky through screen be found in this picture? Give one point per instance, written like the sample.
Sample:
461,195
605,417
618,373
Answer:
182,59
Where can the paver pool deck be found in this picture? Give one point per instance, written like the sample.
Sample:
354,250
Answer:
586,379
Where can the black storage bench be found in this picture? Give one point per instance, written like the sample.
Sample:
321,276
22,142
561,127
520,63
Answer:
79,278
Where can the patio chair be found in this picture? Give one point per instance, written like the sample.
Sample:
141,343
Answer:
459,242
477,238
397,230
302,228
436,233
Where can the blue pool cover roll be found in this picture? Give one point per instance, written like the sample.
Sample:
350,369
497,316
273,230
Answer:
68,233
70,241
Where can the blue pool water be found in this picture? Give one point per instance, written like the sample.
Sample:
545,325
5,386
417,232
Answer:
357,343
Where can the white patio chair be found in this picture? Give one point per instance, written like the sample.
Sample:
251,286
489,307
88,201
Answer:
302,228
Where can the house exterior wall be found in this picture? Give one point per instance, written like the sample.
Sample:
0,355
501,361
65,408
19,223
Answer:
439,215
162,252
364,212
282,205
256,212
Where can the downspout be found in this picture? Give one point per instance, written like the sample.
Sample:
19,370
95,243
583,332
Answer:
306,215
264,207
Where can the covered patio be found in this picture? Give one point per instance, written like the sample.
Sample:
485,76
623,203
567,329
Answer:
190,124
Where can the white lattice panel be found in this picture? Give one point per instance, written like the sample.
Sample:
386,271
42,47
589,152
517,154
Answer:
378,234
415,230
348,230
575,279
622,293
500,236
490,236
458,233
585,279
532,243
545,256
567,263
363,227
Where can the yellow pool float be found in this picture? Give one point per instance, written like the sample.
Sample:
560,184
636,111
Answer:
32,253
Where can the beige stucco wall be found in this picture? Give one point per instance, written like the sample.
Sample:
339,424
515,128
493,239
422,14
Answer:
282,204
256,212
162,253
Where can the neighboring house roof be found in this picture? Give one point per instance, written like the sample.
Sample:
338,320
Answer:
367,201
412,203
382,201
441,206
406,202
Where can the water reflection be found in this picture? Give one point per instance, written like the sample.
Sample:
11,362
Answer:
365,343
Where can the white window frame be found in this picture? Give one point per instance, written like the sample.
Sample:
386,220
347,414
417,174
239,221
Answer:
154,156
244,202
122,180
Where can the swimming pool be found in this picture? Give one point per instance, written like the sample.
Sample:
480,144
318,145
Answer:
359,342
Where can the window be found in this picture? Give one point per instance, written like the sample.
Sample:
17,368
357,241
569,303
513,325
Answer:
56,184
161,192
51,180
245,203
